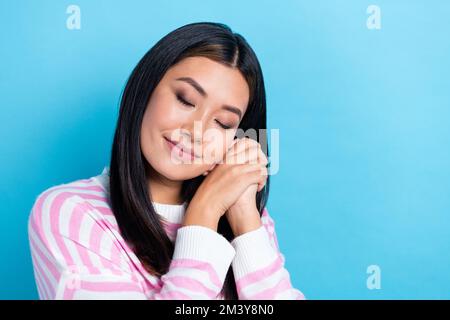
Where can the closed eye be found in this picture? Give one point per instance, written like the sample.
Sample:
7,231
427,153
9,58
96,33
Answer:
187,103
183,101
223,125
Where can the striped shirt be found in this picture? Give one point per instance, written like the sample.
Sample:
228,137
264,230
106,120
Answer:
79,253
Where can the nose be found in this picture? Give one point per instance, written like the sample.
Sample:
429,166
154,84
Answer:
192,133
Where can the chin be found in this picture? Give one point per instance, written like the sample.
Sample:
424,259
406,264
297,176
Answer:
180,172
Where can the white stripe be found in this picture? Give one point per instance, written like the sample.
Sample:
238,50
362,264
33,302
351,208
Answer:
42,290
115,295
124,264
106,244
287,294
42,266
104,276
201,276
64,227
40,277
86,226
75,188
96,262
194,295
111,219
99,203
37,277
73,251
266,283
43,248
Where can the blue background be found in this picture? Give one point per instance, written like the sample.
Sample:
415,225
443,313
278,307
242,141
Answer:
363,116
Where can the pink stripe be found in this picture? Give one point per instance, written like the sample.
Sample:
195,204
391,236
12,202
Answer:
41,293
97,286
44,279
41,290
268,294
94,245
195,264
269,221
55,212
110,286
68,293
35,248
75,225
115,255
270,227
95,238
105,211
105,225
191,284
44,263
112,267
172,227
135,262
38,206
36,214
256,276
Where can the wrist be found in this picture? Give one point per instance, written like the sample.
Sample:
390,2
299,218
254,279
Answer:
243,220
199,214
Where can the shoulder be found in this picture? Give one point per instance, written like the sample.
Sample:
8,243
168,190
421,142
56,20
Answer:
70,210
71,225
57,199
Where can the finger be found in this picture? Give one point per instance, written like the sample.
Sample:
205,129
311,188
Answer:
262,158
252,154
261,185
243,144
254,177
243,152
233,143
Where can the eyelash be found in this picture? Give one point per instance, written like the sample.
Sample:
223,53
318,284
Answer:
183,101
223,126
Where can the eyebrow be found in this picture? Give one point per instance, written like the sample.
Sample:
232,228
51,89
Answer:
203,93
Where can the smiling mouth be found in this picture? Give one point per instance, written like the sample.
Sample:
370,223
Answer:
174,144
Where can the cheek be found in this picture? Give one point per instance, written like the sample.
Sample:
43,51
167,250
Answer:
217,144
162,113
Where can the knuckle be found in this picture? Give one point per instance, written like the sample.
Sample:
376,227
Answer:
265,172
235,170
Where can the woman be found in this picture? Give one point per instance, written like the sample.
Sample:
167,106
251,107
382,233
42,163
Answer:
178,214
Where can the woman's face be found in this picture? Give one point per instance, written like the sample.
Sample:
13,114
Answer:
190,105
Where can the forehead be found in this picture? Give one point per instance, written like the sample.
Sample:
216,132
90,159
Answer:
223,84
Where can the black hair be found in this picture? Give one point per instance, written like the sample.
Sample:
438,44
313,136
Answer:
130,200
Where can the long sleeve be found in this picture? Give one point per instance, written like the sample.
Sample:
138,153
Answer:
78,253
258,265
199,265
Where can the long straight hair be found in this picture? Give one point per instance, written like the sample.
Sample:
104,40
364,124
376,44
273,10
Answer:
130,200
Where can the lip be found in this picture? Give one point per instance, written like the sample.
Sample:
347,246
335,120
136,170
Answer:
186,151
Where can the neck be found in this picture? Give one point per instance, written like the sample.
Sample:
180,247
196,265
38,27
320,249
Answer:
163,190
